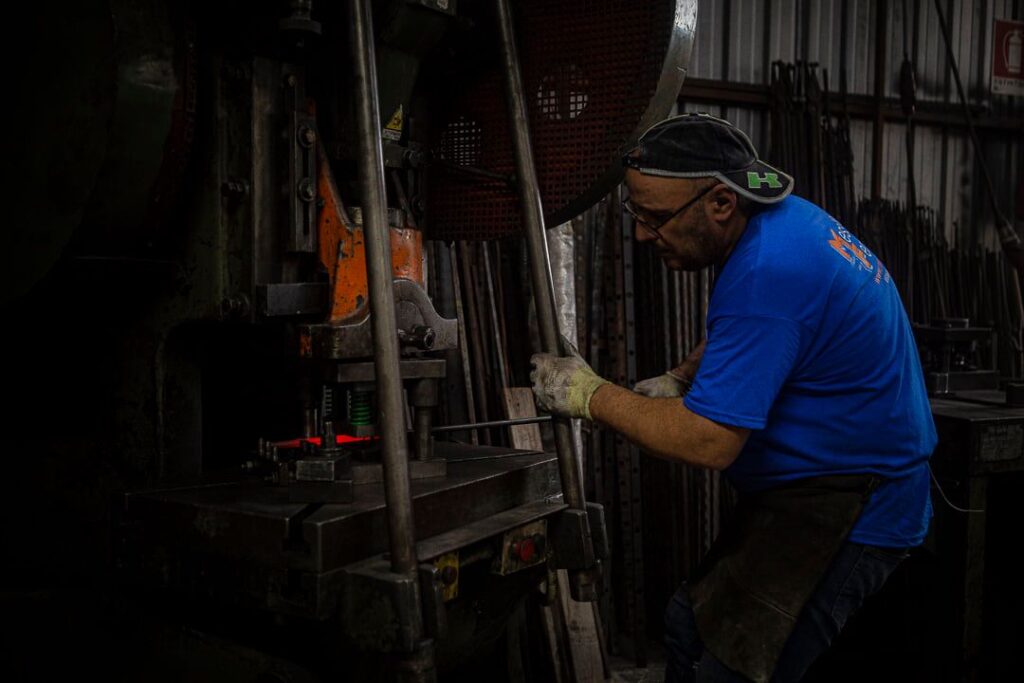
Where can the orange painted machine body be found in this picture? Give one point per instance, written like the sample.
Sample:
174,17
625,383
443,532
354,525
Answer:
343,252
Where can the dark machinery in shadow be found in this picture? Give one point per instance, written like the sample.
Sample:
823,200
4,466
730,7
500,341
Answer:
216,203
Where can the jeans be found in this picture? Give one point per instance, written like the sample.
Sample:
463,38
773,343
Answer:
857,572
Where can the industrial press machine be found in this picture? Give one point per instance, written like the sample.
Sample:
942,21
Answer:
256,186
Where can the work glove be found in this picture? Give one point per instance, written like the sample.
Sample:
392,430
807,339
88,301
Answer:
667,385
564,385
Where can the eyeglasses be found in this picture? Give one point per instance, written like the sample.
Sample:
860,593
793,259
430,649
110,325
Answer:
631,210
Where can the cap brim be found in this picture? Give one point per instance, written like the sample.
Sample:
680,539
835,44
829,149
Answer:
758,182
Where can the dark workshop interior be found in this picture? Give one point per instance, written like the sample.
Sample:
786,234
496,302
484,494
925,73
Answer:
285,291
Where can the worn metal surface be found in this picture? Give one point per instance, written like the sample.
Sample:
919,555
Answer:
977,436
369,473
344,255
302,170
354,340
357,373
436,546
256,531
289,299
589,92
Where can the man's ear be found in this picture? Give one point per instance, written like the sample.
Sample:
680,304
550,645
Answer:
723,203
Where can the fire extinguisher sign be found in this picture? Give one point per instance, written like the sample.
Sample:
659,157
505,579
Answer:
1008,57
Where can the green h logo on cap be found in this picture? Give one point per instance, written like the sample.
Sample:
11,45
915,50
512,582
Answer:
756,181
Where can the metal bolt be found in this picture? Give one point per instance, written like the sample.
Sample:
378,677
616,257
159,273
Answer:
234,188
306,191
420,336
413,157
307,136
236,306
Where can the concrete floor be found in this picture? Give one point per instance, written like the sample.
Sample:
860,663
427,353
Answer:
625,670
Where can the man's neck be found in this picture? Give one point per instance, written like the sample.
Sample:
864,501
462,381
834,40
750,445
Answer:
734,231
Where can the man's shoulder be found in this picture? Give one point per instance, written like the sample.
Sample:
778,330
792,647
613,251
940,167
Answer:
784,267
792,224
794,240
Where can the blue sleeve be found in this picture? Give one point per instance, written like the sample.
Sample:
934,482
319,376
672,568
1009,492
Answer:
747,361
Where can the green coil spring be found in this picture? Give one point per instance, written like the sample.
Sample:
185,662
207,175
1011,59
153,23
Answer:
360,412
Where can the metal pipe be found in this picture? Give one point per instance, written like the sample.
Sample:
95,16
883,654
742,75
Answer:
422,432
394,449
493,423
540,260
467,371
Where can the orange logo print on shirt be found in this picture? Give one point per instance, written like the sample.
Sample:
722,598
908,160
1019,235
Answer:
848,250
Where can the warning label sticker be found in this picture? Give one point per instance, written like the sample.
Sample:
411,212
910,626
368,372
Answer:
393,129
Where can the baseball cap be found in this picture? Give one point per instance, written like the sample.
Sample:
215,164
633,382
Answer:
702,146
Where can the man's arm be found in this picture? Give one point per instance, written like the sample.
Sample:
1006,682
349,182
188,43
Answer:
687,370
667,428
675,382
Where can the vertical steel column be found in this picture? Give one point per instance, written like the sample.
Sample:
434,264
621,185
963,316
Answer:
540,262
382,299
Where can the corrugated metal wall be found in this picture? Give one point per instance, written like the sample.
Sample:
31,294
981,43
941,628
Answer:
738,39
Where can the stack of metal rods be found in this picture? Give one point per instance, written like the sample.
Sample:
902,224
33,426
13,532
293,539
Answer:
938,280
807,141
483,283
636,319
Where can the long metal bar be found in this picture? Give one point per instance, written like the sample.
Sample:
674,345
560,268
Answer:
467,369
540,260
382,300
881,73
493,423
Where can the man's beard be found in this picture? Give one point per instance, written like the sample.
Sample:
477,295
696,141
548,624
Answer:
699,252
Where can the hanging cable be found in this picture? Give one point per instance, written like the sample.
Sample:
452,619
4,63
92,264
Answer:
948,501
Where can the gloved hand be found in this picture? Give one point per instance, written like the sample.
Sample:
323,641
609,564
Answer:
667,385
564,385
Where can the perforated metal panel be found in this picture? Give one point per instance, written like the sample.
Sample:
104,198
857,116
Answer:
595,74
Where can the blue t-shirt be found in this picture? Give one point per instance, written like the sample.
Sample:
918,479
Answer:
808,346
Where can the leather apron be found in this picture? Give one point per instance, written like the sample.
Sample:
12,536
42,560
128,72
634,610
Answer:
767,563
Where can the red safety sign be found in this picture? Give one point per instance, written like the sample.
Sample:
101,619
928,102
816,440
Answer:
1008,57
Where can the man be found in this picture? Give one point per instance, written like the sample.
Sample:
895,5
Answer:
808,394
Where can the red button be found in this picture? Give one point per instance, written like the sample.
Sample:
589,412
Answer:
527,550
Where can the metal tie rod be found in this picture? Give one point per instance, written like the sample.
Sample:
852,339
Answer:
581,581
419,665
540,259
382,297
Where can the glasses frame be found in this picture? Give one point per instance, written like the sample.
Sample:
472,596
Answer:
631,210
